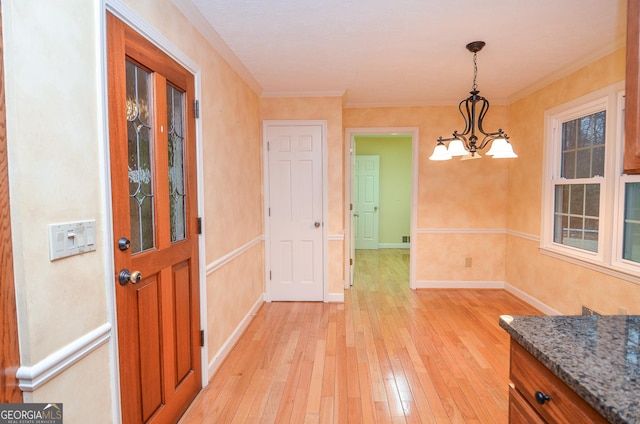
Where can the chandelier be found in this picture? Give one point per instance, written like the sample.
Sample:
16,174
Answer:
473,109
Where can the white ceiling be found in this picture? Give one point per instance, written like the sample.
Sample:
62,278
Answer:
407,52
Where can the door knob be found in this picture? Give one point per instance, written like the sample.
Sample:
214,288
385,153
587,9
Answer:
356,214
317,224
126,276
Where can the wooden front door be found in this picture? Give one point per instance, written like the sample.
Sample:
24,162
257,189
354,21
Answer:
10,354
153,179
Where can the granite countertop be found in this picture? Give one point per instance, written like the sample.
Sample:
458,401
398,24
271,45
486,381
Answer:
597,356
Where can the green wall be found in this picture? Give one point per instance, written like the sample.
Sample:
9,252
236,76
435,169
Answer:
395,183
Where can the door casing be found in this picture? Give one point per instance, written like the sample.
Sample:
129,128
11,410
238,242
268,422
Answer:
349,153
267,260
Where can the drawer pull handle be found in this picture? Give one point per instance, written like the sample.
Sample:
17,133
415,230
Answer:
541,398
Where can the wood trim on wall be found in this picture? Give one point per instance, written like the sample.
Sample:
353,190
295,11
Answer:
9,348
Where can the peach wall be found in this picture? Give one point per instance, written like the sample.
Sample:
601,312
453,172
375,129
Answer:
329,109
558,284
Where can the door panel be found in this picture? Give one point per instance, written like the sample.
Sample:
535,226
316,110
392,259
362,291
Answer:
296,212
153,172
366,200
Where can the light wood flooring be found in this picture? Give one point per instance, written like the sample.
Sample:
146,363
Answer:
387,355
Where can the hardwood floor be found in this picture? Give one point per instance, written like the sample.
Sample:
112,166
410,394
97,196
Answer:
387,355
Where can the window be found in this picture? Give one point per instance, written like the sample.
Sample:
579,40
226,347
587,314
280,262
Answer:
631,235
577,191
591,211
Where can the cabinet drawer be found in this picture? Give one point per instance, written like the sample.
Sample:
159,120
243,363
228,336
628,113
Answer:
520,412
564,406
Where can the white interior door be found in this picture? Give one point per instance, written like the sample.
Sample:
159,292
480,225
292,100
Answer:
352,233
295,185
366,201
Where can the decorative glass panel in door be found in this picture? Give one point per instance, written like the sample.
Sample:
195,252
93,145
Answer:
175,140
140,145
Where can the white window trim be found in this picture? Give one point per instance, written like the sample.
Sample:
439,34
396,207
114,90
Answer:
608,258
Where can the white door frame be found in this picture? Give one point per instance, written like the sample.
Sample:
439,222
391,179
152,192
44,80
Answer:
129,17
350,133
325,200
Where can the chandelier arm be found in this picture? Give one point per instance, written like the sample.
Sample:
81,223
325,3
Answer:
483,111
468,117
456,136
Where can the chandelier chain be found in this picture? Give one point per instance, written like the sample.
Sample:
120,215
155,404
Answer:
475,72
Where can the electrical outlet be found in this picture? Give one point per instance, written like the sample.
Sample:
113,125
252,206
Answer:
467,262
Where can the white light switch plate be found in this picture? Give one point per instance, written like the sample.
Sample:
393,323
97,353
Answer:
71,238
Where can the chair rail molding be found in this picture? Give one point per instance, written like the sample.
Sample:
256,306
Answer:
34,376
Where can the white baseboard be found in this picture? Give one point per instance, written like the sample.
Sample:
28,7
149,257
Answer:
424,284
530,300
222,353
435,284
335,297
394,245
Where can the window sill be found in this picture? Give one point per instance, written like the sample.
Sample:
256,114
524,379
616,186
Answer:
610,270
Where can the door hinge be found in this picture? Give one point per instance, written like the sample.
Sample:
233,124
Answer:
196,108
267,146
350,206
350,261
269,211
202,338
199,225
269,275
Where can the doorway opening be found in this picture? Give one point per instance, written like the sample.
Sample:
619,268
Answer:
380,214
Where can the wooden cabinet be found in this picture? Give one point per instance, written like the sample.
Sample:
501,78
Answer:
632,91
538,396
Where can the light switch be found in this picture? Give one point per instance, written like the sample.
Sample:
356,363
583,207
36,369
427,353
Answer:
71,238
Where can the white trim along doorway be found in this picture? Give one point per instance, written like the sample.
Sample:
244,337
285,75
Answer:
349,154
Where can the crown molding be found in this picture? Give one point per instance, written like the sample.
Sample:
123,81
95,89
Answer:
193,15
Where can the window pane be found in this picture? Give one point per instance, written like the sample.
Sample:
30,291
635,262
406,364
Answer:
569,164
140,152
631,240
585,131
598,161
592,200
599,128
569,135
175,140
576,205
583,164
